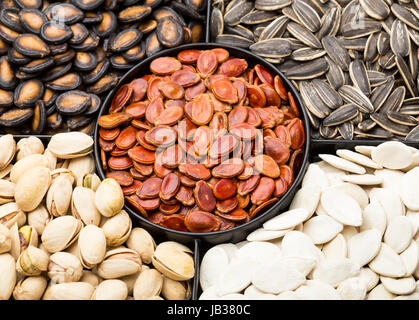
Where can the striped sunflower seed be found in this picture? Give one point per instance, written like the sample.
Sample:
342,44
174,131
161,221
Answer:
330,23
371,47
307,70
307,15
258,16
358,30
406,75
377,9
399,39
342,114
275,29
410,106
346,130
217,23
329,96
238,41
304,35
380,94
232,17
271,5
384,122
307,54
328,132
334,75
359,76
272,48
403,119
312,100
336,52
413,135
394,101
406,15
375,133
353,95
366,125
383,43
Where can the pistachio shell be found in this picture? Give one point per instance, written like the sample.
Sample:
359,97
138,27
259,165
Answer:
142,242
52,160
174,262
7,191
111,290
70,291
64,267
130,280
6,171
22,166
83,206
8,149
16,246
11,214
148,284
28,146
59,196
8,276
118,263
32,262
175,290
109,198
60,233
117,229
80,167
28,237
32,187
89,277
92,244
30,288
91,181
39,218
70,145
5,239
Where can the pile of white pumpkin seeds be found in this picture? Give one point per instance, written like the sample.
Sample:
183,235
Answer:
355,62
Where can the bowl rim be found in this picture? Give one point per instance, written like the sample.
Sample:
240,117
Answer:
207,46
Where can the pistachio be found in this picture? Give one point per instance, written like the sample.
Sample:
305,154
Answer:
148,284
89,277
83,206
60,233
11,214
39,218
28,146
28,237
52,160
80,167
142,242
118,263
64,267
70,145
109,198
32,262
91,181
73,249
92,244
69,291
59,195
30,288
8,276
32,187
6,171
8,149
174,261
63,171
7,191
117,229
15,249
22,166
130,280
5,239
111,290
175,290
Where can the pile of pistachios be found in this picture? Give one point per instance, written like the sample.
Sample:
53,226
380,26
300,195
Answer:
65,236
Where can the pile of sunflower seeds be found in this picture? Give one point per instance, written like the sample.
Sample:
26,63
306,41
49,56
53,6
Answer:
59,59
355,62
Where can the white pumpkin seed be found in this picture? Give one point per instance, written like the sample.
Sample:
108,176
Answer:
352,289
364,246
409,192
392,155
399,233
287,219
399,286
336,248
388,263
341,207
322,229
342,164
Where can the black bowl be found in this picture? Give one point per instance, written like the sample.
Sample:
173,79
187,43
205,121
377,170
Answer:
238,233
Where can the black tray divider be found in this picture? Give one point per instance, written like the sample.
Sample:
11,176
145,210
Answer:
197,263
208,22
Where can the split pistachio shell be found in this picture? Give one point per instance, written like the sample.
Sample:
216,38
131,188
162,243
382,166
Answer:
28,146
8,276
175,290
111,290
52,160
148,284
92,244
64,267
70,145
80,167
28,237
6,171
90,277
59,196
8,149
91,181
16,245
5,239
142,242
60,233
30,288
11,214
83,206
117,229
32,187
109,198
39,218
69,291
32,262
118,263
173,261
22,166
